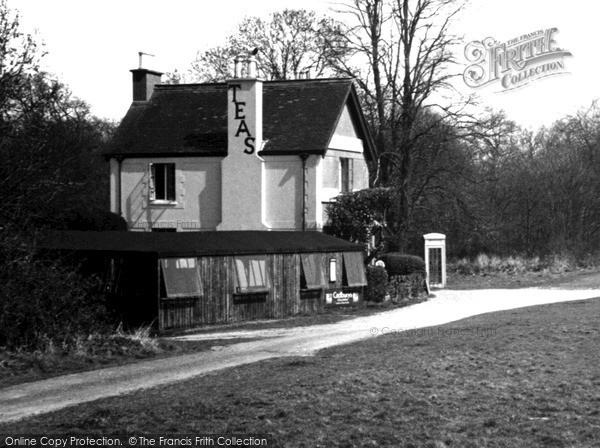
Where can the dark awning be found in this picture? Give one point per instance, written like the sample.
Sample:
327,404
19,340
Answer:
181,244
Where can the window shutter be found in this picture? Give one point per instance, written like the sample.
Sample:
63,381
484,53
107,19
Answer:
152,175
181,277
355,269
313,268
251,273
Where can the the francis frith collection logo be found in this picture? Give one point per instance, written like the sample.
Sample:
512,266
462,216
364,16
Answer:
514,63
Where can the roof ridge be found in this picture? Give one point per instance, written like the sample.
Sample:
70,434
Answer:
277,81
319,80
183,86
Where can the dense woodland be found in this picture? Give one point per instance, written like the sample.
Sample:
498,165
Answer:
52,175
485,182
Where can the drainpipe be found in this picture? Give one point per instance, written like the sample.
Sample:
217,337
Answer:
304,158
119,208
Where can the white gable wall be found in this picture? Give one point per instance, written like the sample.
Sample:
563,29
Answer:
344,144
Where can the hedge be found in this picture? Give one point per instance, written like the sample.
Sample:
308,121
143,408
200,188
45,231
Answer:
402,264
377,284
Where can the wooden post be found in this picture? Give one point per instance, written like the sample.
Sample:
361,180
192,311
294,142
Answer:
158,304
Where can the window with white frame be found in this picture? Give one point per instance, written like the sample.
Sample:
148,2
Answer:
346,168
162,182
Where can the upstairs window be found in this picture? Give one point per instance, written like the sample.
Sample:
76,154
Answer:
162,182
346,166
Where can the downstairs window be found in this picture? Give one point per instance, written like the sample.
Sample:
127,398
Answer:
251,274
181,277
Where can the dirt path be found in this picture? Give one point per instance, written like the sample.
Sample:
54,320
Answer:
20,401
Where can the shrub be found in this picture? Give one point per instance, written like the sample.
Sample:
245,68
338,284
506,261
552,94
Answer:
78,353
377,284
356,216
45,300
463,267
81,218
485,264
401,264
403,289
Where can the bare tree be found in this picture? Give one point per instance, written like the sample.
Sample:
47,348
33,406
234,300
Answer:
19,59
401,55
289,43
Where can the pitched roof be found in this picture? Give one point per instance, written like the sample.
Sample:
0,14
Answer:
191,119
184,244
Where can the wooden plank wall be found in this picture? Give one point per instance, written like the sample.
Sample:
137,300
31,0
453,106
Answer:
217,304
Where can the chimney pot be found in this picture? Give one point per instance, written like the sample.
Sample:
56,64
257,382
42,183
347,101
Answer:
251,67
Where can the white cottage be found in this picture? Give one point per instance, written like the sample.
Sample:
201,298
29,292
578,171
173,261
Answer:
245,154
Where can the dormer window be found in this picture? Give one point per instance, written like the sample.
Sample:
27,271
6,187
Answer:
162,182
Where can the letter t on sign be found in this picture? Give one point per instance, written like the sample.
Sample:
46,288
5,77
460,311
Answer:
235,87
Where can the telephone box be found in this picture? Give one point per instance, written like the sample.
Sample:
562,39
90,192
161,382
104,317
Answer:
435,259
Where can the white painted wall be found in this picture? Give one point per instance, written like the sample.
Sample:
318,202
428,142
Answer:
243,194
283,190
197,190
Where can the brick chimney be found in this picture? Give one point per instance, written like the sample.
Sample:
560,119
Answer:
243,198
144,81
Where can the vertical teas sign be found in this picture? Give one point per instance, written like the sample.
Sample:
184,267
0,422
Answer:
240,116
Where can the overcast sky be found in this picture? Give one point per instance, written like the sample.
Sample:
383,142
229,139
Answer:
92,45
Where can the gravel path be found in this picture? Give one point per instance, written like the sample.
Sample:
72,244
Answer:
20,401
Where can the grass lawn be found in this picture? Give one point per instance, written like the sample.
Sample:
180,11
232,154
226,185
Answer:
520,378
574,279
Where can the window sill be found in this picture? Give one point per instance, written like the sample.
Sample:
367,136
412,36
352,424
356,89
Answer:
179,302
162,202
248,297
311,294
251,290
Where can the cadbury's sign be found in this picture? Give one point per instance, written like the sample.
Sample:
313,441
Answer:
339,297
